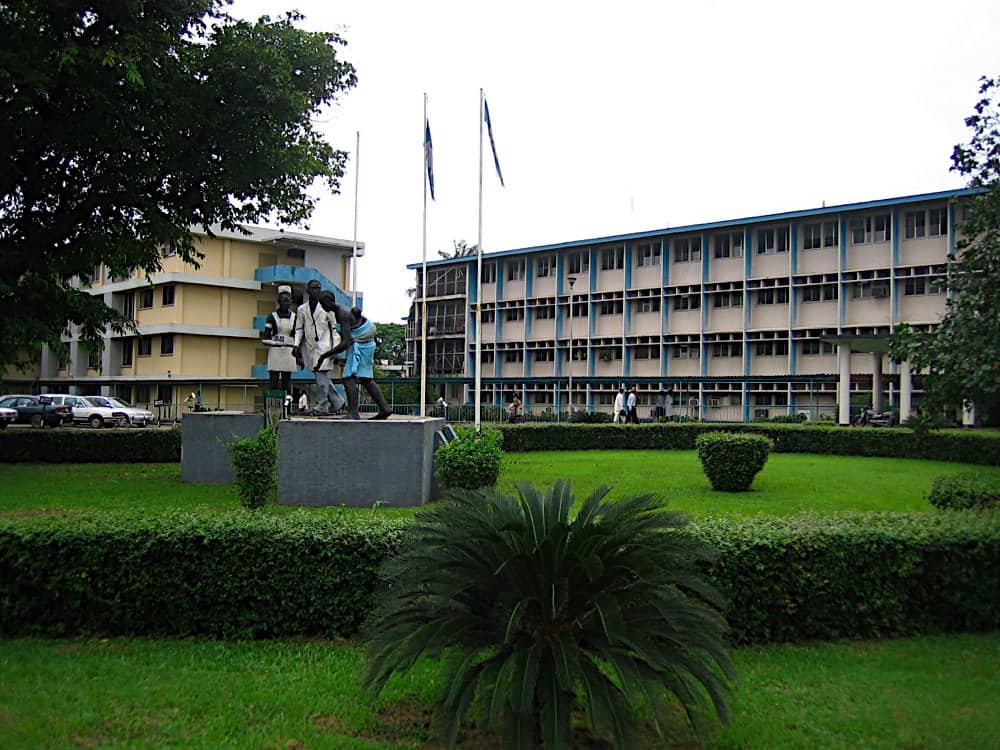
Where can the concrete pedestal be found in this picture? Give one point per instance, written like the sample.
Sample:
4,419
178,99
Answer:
204,457
357,462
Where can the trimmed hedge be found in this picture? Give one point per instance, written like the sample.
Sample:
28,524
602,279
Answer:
863,575
958,446
251,575
730,460
964,491
235,575
72,445
470,461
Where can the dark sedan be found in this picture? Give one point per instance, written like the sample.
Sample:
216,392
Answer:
31,410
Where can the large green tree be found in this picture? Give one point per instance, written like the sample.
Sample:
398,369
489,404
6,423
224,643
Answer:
393,346
961,356
125,124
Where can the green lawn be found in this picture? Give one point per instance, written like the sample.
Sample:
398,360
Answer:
790,483
930,693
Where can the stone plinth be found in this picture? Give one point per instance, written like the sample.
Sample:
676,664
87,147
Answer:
357,462
204,457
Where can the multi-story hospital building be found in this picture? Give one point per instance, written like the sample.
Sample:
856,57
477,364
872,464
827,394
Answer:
198,329
731,320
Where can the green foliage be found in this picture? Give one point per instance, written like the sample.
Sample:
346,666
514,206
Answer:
731,461
961,353
590,417
961,491
407,393
969,446
784,419
128,123
393,343
470,461
865,575
675,418
255,462
126,446
233,575
240,574
532,612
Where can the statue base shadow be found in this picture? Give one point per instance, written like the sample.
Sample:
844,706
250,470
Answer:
358,463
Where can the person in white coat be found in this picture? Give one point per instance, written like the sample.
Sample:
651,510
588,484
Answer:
315,333
619,406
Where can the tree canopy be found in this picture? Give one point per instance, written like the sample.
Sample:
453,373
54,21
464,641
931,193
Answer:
961,356
125,125
393,346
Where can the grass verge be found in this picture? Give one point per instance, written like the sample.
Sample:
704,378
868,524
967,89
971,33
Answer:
789,483
929,692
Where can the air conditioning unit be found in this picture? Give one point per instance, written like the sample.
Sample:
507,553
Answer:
804,413
880,291
604,356
761,413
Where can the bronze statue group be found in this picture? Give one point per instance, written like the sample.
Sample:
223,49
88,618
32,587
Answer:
322,335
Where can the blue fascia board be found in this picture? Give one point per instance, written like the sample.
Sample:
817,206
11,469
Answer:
302,275
764,219
259,372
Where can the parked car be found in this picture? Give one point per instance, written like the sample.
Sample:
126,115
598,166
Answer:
7,416
85,412
36,412
136,417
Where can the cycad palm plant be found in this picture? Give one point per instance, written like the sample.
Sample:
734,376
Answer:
532,612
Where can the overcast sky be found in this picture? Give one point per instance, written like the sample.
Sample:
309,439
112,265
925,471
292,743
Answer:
620,117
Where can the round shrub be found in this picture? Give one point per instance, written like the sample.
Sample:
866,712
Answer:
961,491
470,461
730,460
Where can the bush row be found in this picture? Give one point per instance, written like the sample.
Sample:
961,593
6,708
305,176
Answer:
247,575
236,575
78,446
164,446
963,447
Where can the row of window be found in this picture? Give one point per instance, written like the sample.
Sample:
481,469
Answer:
143,346
863,230
168,296
723,349
776,296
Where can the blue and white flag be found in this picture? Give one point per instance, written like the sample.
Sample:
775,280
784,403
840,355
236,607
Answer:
489,129
429,156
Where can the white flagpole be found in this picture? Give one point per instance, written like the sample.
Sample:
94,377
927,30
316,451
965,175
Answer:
422,287
479,276
354,252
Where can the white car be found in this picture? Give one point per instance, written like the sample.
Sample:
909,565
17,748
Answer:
85,411
136,417
7,416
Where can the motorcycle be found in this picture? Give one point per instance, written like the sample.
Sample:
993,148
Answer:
871,418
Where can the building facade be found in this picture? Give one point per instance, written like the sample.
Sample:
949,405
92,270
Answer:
198,329
732,320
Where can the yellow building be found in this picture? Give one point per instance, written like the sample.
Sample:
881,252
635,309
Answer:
198,329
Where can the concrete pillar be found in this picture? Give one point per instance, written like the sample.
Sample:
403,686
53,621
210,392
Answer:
905,391
844,384
878,391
